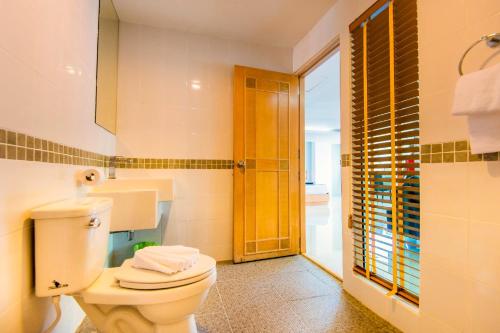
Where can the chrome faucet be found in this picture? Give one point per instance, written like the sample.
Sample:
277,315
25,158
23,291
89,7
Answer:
112,167
113,163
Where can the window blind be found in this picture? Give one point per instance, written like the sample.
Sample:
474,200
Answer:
385,146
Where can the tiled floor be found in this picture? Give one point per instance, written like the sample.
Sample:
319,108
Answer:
281,295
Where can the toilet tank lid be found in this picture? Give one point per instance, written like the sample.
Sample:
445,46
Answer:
77,207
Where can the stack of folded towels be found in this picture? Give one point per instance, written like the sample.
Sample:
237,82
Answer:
166,259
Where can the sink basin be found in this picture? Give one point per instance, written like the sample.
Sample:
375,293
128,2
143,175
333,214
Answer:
135,201
164,187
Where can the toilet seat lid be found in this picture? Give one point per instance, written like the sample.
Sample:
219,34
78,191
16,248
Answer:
136,278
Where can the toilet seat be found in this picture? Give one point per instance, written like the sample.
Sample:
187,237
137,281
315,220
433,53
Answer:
107,288
143,279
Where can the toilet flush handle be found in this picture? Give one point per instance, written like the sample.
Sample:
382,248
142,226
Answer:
94,222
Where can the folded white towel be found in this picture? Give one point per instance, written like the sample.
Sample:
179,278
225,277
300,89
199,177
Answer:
166,259
478,93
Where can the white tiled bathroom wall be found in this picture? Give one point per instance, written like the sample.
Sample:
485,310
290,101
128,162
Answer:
175,95
47,86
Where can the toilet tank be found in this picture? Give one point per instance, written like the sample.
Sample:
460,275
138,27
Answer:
71,243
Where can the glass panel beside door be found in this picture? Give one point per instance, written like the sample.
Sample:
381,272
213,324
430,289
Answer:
322,164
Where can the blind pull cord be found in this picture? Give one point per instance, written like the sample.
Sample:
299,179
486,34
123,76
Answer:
367,198
392,103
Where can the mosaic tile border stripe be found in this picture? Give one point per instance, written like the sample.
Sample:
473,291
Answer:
168,163
445,152
453,152
23,147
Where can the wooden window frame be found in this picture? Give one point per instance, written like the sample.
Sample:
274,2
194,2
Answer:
394,287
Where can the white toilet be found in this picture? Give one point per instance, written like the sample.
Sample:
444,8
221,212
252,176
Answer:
71,244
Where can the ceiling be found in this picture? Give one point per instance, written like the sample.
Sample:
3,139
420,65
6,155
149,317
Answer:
322,102
270,22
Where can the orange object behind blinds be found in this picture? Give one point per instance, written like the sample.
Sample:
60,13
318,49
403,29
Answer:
385,146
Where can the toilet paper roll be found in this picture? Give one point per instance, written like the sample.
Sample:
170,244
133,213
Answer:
89,177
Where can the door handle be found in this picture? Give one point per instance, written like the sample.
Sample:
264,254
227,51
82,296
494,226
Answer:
241,164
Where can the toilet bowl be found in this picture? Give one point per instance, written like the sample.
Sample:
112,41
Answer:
70,250
127,299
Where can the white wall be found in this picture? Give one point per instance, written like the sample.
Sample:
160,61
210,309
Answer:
161,116
460,220
461,234
40,44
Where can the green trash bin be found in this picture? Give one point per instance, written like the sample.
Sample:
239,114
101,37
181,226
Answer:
142,245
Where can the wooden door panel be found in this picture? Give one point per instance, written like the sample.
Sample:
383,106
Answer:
266,124
284,126
250,146
284,206
266,208
250,226
266,138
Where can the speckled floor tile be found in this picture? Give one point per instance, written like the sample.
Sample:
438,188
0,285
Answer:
331,314
213,303
303,284
280,295
213,323
281,265
227,271
267,318
235,304
319,309
245,288
373,318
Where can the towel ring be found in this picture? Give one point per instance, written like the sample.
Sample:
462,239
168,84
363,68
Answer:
492,40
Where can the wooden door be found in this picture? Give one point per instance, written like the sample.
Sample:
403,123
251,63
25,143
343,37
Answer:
266,154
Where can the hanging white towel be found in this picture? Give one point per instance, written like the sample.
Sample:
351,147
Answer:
478,93
166,259
477,96
484,131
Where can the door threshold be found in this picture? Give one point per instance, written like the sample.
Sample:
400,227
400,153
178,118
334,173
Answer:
323,267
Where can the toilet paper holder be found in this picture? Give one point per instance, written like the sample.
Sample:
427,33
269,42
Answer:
90,177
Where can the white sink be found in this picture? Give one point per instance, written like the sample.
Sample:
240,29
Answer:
135,201
164,187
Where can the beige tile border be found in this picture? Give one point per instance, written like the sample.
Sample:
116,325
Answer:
24,147
169,163
453,152
445,152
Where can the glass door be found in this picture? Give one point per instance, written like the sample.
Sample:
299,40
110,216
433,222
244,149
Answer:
322,165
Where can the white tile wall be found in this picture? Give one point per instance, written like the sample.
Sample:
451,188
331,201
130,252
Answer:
443,189
161,115
482,303
47,88
460,218
483,260
443,100
446,243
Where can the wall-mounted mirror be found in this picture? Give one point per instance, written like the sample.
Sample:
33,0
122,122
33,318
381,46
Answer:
107,66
